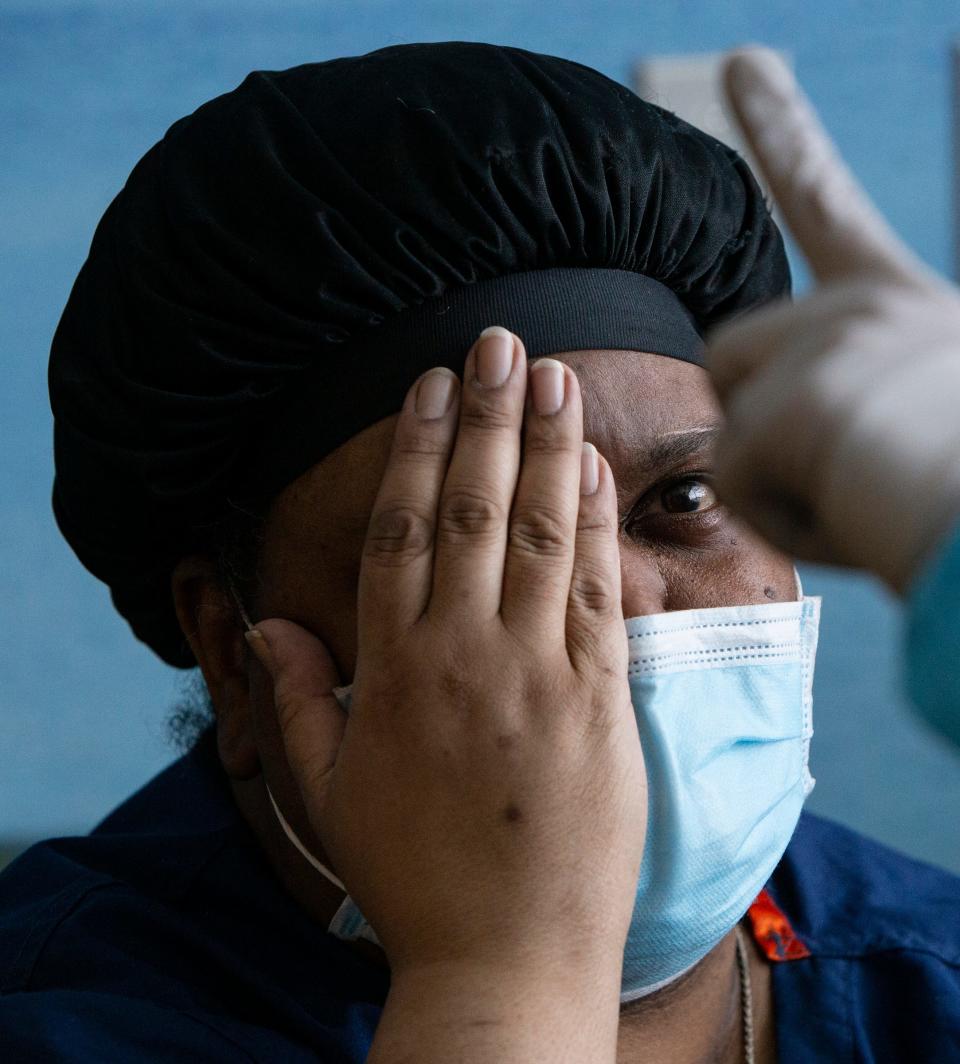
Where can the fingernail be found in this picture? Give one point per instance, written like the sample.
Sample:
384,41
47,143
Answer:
589,470
547,385
434,394
494,356
257,642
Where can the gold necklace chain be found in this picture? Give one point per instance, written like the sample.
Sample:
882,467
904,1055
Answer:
746,996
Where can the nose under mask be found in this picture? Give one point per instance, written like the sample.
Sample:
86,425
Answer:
723,703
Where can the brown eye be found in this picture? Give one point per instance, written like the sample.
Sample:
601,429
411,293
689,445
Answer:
688,496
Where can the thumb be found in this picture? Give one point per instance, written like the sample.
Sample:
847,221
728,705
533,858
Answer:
839,230
311,721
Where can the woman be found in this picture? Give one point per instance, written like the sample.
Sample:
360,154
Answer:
453,807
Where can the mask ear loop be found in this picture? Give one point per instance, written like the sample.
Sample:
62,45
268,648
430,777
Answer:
244,616
287,830
301,849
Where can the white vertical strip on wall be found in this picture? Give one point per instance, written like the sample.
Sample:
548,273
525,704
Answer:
689,86
955,112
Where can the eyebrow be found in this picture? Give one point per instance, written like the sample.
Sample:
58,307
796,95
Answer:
673,447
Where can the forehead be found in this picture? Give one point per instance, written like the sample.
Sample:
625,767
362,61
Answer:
631,399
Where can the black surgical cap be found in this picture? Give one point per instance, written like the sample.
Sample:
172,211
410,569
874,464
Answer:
286,261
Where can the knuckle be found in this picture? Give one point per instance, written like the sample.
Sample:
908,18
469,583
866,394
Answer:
595,525
398,534
483,414
539,530
291,709
469,513
550,441
591,591
459,691
418,448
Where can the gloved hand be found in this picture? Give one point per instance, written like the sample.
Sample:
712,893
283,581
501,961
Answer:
843,435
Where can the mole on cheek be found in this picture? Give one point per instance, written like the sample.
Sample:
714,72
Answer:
769,592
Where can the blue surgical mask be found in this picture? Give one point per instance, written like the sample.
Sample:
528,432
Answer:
723,702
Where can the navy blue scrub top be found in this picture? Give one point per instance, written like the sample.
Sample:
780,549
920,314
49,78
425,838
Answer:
165,936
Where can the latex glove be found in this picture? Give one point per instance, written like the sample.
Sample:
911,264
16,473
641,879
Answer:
843,435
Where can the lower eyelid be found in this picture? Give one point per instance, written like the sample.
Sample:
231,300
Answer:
660,523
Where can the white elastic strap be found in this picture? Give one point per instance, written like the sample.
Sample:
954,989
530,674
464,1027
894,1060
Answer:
245,617
307,855
287,830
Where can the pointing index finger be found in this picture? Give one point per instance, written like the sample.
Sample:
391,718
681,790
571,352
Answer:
838,228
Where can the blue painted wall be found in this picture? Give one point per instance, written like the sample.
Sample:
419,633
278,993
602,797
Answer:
85,89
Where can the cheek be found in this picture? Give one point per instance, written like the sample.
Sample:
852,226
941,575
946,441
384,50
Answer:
326,607
317,589
742,570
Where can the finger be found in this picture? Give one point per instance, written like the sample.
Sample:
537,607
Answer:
765,472
594,606
740,348
838,228
397,562
474,509
784,523
311,722
543,522
761,498
794,332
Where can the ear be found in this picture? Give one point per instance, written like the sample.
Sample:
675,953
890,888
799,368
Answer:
211,624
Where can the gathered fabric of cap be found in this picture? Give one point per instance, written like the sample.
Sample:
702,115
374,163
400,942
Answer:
285,262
